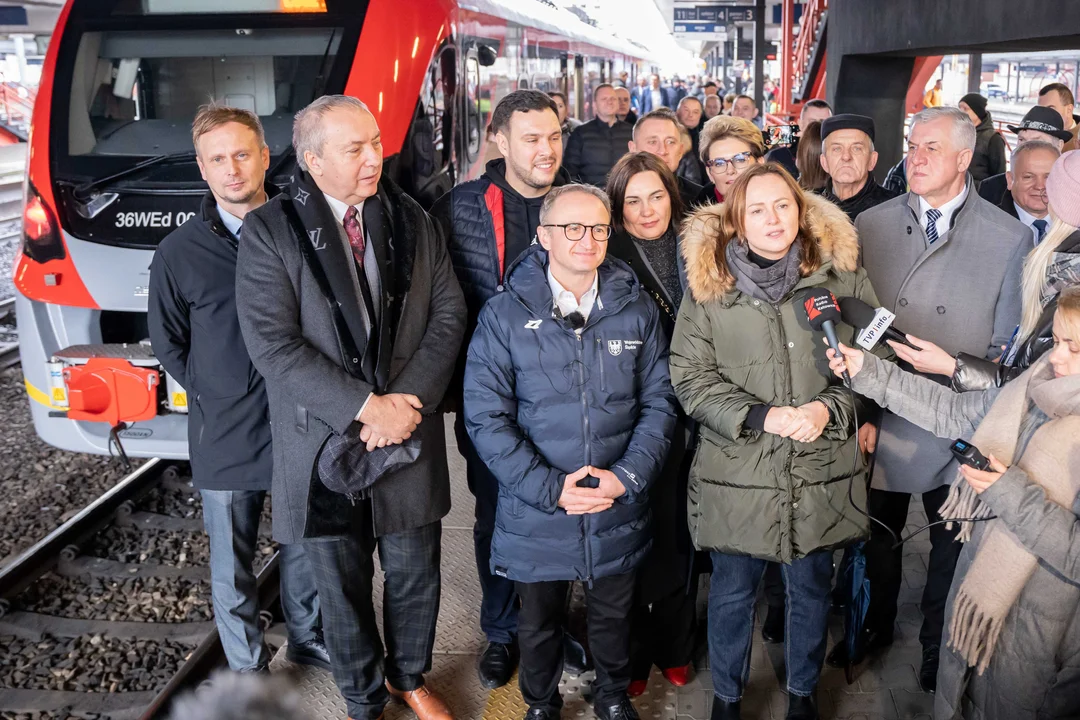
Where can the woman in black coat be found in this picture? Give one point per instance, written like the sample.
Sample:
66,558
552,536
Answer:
645,209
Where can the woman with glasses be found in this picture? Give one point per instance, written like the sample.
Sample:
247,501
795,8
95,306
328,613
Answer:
729,146
645,207
777,457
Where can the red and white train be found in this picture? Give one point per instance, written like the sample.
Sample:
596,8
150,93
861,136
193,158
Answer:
111,170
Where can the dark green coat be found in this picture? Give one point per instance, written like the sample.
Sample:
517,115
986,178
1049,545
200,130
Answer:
754,493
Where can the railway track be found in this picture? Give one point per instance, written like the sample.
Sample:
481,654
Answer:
109,615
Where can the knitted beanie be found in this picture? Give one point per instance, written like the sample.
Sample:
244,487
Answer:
977,103
1063,188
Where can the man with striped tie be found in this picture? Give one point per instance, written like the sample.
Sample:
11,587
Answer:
948,264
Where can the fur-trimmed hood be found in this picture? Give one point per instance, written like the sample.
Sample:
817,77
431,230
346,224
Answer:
835,234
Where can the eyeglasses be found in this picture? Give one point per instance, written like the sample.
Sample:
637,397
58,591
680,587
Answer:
737,161
576,231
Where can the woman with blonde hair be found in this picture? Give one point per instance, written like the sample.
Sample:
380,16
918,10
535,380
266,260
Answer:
728,146
777,461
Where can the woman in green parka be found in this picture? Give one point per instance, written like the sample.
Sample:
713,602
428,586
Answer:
771,476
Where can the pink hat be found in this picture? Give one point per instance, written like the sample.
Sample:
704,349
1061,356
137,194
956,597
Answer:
1063,188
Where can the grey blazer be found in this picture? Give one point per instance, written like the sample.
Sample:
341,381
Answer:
291,336
961,293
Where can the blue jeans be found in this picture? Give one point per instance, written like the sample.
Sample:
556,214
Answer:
231,519
498,598
733,590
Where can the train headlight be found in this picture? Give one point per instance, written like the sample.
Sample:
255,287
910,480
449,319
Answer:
41,233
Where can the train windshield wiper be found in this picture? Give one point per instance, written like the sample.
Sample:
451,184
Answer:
82,191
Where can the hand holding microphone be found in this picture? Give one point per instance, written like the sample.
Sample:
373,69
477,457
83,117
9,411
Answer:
846,363
876,325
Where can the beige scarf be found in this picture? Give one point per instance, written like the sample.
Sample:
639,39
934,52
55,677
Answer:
1002,565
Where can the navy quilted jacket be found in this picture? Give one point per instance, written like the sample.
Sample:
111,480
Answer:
542,402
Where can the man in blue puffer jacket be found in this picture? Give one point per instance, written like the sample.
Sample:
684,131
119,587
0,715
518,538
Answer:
568,401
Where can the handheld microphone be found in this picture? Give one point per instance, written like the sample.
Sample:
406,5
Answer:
823,312
874,325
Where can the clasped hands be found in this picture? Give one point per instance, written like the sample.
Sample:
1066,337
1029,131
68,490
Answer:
389,419
582,500
802,424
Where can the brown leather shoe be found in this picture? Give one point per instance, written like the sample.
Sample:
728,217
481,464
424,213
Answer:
426,704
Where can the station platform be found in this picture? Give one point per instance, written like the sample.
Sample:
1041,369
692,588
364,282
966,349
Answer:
886,687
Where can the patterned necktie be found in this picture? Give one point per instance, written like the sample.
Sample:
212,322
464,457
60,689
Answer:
1040,230
355,233
932,216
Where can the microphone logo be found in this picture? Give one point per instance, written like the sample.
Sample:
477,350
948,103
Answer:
812,311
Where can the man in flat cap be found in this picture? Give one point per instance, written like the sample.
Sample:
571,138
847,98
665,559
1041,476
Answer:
848,156
1040,123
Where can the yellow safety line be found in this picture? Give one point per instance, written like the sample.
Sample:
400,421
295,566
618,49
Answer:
505,703
40,397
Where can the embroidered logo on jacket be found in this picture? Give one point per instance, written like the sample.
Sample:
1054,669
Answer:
614,347
533,324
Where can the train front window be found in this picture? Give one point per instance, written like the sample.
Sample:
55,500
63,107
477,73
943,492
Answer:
135,93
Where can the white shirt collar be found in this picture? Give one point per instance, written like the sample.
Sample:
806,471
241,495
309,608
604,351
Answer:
233,223
338,209
947,209
1027,218
565,300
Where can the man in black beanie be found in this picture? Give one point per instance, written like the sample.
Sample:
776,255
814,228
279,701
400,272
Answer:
989,157
848,156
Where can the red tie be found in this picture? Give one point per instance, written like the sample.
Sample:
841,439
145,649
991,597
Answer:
355,233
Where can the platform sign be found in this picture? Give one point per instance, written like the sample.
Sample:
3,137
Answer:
698,21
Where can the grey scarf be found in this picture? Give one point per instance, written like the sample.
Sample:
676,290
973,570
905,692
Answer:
770,284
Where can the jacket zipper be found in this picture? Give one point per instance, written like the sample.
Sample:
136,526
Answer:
600,349
790,400
588,455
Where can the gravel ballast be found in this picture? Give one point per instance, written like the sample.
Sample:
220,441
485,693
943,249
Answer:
137,599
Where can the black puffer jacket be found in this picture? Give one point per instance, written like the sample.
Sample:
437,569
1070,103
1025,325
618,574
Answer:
594,148
974,373
475,218
989,157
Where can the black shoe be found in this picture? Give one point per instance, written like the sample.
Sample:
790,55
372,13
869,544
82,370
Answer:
536,713
313,653
574,661
931,655
724,710
497,664
871,643
801,708
623,710
772,630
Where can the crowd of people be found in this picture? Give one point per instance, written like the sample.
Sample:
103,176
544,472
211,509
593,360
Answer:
623,318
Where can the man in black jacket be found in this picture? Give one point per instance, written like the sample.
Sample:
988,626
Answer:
659,134
848,156
596,146
488,223
351,311
1026,197
196,336
1039,123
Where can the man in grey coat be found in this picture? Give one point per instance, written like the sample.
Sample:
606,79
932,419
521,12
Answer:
352,314
948,264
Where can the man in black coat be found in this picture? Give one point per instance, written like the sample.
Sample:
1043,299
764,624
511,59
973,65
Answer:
658,133
196,336
488,223
848,156
1040,123
1026,197
596,146
351,312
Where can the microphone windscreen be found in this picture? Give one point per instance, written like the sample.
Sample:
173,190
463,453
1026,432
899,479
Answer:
856,313
820,306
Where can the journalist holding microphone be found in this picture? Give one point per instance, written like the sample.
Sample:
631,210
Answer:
771,477
1011,631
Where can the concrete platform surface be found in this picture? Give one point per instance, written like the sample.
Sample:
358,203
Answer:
885,688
